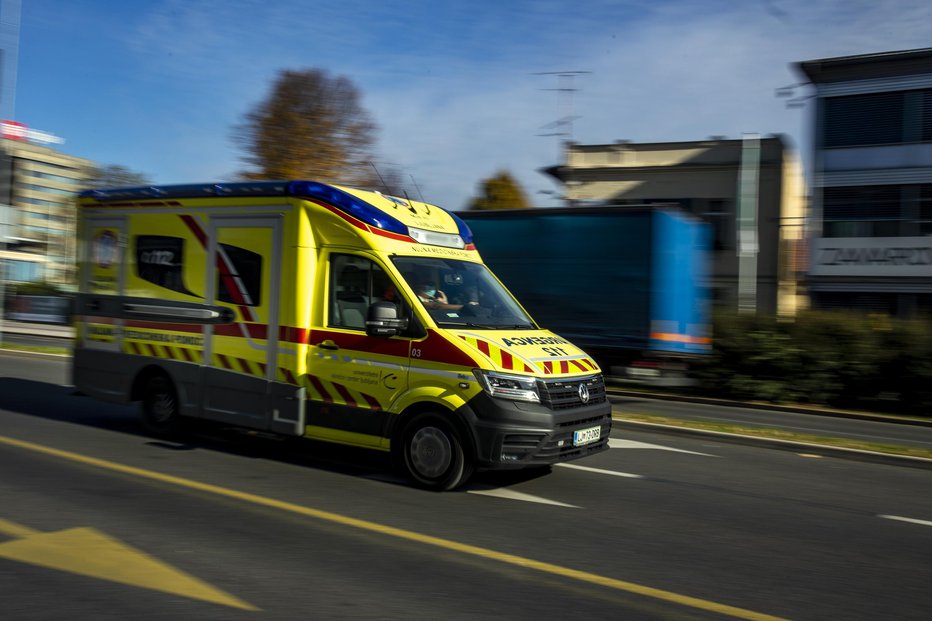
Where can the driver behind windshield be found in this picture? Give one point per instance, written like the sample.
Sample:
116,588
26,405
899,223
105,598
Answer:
428,293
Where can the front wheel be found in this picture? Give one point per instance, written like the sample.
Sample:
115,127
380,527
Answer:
431,453
160,412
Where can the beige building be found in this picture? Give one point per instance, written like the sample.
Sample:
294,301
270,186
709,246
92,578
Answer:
39,184
749,190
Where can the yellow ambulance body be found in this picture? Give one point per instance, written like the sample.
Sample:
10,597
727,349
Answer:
327,312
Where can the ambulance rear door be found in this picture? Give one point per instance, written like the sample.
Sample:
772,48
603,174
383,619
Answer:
96,366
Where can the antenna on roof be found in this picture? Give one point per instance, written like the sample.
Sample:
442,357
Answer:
379,175
418,188
565,84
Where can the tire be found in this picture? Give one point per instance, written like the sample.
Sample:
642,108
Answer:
160,412
431,454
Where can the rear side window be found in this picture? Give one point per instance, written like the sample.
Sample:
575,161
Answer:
239,276
159,260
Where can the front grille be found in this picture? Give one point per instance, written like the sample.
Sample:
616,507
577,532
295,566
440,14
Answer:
563,394
553,451
521,442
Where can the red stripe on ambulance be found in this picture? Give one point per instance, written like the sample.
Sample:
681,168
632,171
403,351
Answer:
319,387
372,401
345,394
435,348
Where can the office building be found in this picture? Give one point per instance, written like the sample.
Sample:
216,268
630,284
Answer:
872,182
39,185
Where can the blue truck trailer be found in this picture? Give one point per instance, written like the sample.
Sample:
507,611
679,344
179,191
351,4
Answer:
629,284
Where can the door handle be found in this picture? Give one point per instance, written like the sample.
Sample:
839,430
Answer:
328,344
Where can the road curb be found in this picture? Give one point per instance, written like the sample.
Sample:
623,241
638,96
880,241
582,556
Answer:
787,445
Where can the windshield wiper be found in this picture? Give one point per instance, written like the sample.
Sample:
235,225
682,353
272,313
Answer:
484,326
465,324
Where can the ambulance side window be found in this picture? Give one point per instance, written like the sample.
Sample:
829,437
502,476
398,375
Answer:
355,283
239,276
159,260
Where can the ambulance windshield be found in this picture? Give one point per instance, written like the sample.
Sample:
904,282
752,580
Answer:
462,294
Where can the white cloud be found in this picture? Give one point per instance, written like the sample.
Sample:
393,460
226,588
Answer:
452,84
681,75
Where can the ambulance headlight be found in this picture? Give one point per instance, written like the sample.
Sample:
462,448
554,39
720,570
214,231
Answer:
504,386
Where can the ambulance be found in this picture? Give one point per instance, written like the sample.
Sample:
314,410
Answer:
326,312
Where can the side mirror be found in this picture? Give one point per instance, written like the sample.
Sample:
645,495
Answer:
382,320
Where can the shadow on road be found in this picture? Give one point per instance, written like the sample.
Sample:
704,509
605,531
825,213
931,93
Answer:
65,404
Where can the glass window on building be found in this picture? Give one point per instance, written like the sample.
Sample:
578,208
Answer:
875,118
862,211
24,271
722,220
925,209
926,108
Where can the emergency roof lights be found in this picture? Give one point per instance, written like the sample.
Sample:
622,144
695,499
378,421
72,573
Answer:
348,204
345,202
434,238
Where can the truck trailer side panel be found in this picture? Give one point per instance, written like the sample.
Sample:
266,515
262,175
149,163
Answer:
619,281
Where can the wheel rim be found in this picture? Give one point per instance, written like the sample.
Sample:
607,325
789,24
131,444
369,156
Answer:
430,452
162,405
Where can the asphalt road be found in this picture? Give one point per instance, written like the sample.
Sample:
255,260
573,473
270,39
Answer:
98,521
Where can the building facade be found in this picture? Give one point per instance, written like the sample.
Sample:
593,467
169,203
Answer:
38,185
871,220
749,190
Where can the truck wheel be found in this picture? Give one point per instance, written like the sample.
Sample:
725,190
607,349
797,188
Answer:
431,453
160,413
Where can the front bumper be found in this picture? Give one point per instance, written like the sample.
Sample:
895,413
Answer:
514,434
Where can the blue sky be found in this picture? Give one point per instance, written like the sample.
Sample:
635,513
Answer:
157,85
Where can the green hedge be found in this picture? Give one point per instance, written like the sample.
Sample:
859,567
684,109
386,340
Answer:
826,358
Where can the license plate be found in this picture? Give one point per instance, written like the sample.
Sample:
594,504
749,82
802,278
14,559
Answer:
586,436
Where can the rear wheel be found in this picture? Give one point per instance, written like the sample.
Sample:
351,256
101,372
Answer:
431,453
160,412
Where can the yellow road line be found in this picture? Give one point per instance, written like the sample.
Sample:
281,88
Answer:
16,530
336,518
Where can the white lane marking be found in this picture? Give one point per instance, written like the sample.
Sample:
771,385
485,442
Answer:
613,473
633,444
513,495
899,518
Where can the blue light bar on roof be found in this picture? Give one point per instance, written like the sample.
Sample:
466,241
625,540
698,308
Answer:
201,190
348,204
465,231
345,202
